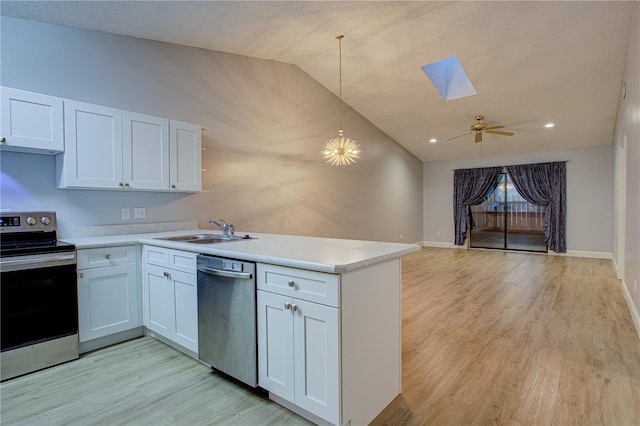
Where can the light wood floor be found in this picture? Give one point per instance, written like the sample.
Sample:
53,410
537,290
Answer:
488,338
140,382
515,339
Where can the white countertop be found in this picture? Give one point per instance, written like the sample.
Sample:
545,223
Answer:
330,255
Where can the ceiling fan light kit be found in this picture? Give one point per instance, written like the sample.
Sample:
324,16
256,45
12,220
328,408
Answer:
480,127
341,151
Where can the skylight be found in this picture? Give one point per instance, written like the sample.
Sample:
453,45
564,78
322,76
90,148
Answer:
449,78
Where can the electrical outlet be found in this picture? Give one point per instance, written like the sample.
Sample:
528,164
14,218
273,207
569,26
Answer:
126,214
139,213
401,237
437,233
635,285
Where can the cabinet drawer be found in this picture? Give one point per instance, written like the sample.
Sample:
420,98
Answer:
313,286
184,261
106,256
158,256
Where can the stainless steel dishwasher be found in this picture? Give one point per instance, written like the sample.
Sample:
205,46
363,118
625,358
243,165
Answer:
227,317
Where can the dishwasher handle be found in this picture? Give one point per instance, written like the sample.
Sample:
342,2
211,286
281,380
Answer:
223,273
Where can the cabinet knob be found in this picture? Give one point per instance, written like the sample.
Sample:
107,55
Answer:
127,185
292,283
173,186
108,256
288,305
80,275
166,275
121,184
3,140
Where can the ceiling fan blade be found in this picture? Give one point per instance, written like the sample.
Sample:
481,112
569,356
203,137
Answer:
459,136
493,128
498,132
478,137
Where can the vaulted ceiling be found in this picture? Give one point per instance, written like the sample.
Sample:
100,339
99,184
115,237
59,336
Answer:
530,62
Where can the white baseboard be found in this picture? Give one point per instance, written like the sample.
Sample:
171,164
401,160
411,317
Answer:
569,253
619,269
632,308
580,253
440,244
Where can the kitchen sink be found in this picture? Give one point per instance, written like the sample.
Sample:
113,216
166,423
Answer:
203,238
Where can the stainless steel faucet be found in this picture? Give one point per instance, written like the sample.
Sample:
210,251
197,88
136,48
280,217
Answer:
227,228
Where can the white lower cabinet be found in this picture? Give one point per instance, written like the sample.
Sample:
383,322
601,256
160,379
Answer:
108,292
170,295
299,342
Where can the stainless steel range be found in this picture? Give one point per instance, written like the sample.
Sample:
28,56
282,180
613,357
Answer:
39,304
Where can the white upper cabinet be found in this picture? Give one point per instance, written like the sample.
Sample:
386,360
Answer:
145,151
31,122
108,148
93,148
186,156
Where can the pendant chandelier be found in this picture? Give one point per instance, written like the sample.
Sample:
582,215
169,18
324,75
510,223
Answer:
341,151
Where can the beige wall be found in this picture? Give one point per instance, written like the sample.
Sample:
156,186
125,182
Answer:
627,170
589,196
267,123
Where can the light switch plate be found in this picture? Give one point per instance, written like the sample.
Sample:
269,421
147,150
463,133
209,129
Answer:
139,213
126,214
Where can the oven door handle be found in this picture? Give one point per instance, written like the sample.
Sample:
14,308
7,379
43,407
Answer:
36,261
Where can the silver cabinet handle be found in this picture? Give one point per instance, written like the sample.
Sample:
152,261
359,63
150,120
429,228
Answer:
292,283
81,275
108,256
166,274
127,185
3,140
173,186
294,308
121,184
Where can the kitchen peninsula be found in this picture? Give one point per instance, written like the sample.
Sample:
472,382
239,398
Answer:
354,371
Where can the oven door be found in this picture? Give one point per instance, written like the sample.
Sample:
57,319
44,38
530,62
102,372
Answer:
39,298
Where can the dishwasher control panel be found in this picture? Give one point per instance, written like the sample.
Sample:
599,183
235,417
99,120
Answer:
230,265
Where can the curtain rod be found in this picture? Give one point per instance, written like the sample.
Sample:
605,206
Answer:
524,164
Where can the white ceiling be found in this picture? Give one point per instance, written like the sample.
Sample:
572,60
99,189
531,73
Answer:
530,62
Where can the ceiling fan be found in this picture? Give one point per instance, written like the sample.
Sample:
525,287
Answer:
481,127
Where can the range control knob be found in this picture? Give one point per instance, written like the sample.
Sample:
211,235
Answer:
45,220
31,221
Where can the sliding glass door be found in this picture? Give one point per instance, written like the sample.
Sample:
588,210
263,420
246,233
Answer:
507,221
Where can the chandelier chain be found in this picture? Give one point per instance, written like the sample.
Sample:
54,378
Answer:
340,37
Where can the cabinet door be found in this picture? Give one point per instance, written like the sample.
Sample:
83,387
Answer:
31,122
275,345
107,301
317,359
186,309
186,156
93,147
145,151
158,303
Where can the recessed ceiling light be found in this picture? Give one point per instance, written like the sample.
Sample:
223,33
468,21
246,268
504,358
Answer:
433,140
549,125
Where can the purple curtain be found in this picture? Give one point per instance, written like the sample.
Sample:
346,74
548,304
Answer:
470,187
544,184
